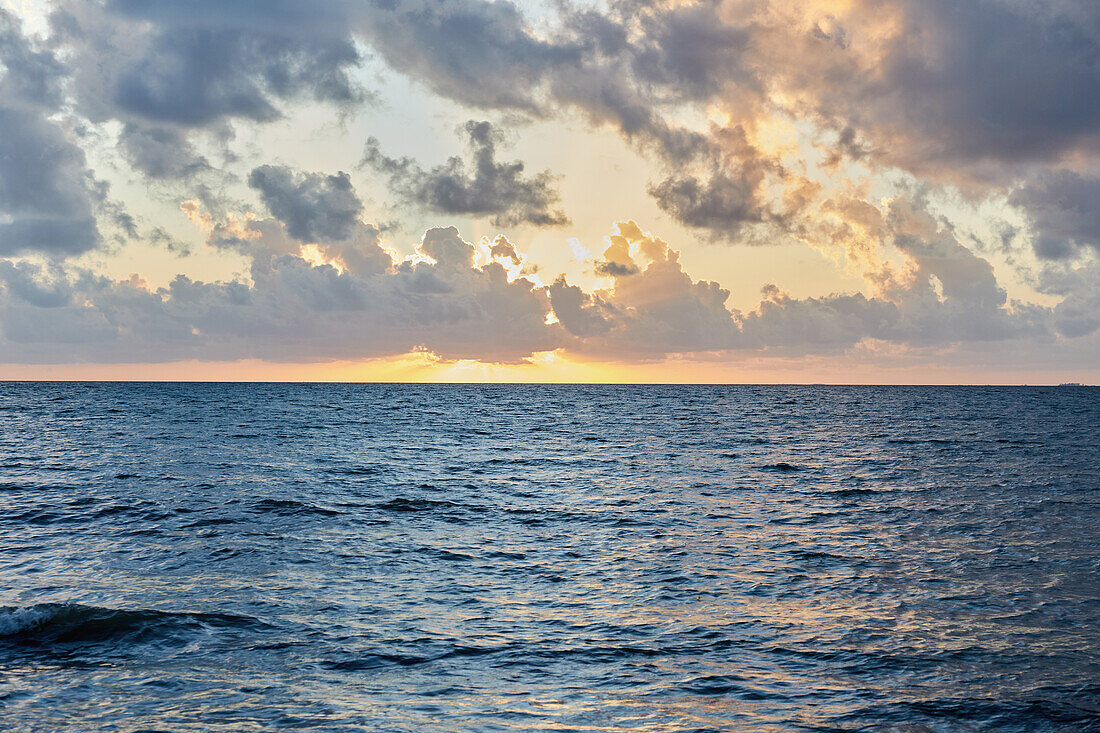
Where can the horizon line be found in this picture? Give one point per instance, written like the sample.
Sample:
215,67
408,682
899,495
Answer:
542,383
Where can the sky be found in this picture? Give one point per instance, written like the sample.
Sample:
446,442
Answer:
883,191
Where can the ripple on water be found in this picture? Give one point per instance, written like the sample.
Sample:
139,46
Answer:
457,557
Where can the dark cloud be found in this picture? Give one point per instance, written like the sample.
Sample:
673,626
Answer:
1024,92
984,93
580,313
483,187
828,323
198,76
1064,209
29,284
925,85
160,152
482,54
28,75
158,236
206,64
486,55
970,91
691,51
46,193
615,269
314,207
721,203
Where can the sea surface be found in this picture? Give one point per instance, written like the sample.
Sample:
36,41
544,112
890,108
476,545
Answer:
548,558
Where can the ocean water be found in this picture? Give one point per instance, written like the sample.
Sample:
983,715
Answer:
560,558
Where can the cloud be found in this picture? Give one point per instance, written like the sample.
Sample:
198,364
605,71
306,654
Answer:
358,302
919,85
47,195
827,324
648,311
314,207
1078,314
1064,213
485,55
960,92
500,191
158,63
31,285
160,152
943,295
31,76
870,93
482,54
721,203
292,310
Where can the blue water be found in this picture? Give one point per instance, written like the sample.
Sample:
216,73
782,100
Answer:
439,558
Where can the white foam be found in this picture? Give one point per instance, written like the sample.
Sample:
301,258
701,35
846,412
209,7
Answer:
16,620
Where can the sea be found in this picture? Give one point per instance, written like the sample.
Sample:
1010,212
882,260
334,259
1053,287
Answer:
392,557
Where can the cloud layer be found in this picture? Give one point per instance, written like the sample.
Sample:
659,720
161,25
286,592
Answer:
878,132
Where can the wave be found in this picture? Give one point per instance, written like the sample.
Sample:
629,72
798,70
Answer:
289,507
72,623
781,467
402,504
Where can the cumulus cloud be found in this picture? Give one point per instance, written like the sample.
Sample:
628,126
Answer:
655,309
485,187
943,295
47,195
313,207
453,300
292,310
160,152
1064,212
721,203
206,63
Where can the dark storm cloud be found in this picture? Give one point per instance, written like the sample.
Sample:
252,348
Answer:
484,187
1064,208
313,206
